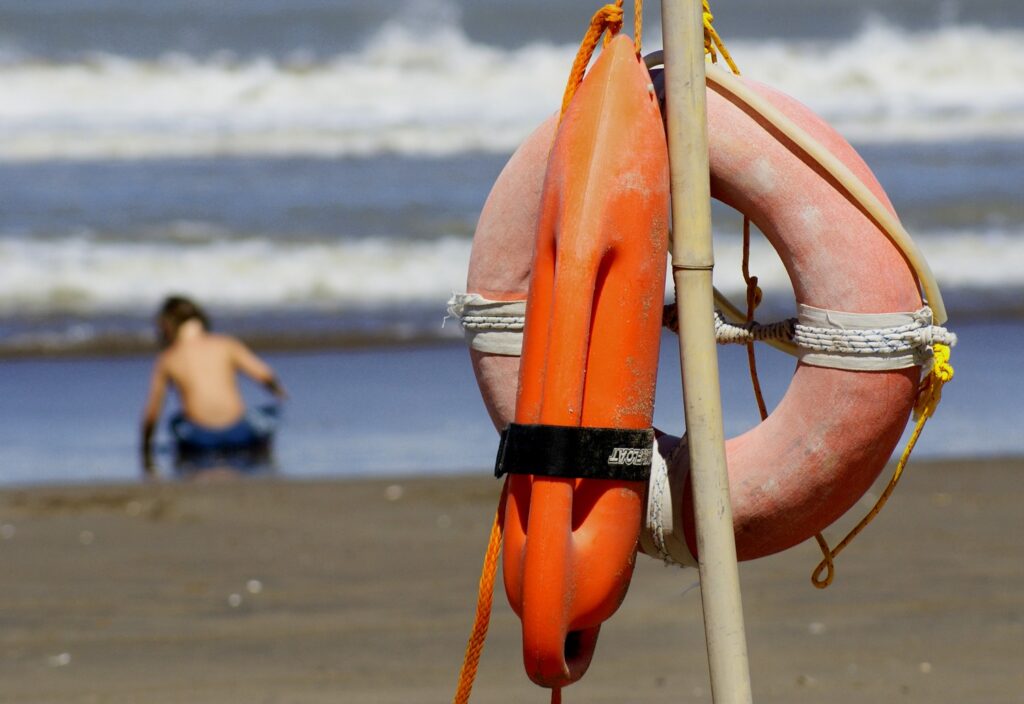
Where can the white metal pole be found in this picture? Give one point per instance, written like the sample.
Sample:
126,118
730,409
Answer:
692,263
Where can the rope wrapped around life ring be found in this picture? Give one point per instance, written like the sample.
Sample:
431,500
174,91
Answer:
826,338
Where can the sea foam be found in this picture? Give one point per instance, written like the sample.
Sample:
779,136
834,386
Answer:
89,276
440,93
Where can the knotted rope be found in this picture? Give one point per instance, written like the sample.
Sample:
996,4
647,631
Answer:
713,44
747,334
919,334
608,18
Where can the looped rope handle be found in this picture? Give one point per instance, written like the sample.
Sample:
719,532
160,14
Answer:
608,18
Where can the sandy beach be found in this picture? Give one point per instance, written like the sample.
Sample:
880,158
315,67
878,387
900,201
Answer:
363,591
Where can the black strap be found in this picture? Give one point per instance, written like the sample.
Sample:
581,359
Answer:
574,452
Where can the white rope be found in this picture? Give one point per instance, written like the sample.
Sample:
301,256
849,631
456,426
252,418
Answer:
662,530
823,338
487,322
899,338
657,492
495,327
727,333
840,340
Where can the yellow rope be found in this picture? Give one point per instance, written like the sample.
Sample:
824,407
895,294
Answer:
484,600
928,397
713,44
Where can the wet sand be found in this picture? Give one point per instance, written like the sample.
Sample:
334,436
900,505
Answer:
363,591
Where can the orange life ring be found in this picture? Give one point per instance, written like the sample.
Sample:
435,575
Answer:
791,476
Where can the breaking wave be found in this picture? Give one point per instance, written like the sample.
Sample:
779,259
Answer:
442,93
87,275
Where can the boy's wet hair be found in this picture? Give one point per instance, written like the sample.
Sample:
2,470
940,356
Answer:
175,312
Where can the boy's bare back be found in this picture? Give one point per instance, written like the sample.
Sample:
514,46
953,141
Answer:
204,370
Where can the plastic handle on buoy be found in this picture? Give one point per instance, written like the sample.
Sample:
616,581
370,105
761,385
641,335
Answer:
590,356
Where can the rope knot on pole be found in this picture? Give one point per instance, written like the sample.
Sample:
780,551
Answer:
713,44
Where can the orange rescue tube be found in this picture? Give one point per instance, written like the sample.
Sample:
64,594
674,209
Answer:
590,354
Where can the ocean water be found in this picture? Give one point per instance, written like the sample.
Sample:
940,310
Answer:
312,171
400,411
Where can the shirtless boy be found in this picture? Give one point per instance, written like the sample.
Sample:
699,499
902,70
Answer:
203,368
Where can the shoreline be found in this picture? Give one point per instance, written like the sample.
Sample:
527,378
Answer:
363,590
330,337
166,479
122,347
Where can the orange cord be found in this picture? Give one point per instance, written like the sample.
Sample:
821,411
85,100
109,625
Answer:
943,372
484,600
754,296
638,25
608,18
